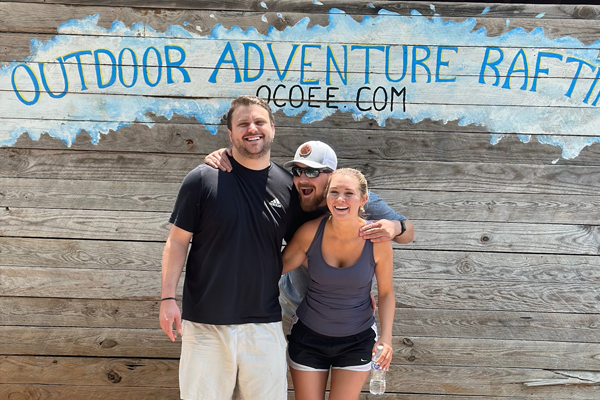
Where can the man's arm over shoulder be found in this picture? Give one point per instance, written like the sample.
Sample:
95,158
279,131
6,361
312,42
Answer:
388,223
218,160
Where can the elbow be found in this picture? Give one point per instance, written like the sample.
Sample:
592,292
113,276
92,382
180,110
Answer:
409,235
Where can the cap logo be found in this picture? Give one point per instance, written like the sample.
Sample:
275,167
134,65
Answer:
305,150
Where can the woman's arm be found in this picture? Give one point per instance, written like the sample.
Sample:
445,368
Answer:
294,254
384,272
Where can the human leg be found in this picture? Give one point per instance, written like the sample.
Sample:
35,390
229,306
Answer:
346,384
262,372
309,385
207,368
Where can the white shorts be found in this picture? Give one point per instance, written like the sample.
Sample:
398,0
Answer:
224,362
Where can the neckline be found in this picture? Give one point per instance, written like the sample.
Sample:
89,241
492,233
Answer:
321,249
237,165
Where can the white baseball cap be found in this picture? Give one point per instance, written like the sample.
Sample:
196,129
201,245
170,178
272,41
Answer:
314,154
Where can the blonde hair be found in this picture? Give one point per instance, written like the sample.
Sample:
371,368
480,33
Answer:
352,173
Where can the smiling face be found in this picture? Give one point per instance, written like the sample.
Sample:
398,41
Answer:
311,190
346,194
251,132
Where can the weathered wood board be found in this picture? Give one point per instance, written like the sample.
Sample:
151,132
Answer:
477,121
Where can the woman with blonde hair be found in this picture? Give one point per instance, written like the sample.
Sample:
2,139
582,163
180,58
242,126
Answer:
334,328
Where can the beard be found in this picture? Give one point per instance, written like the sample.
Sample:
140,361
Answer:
244,152
310,204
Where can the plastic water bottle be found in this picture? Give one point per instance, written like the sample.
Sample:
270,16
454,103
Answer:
377,384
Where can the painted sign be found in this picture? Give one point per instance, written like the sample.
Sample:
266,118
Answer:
389,66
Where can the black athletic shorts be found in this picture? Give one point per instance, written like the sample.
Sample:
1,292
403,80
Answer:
310,351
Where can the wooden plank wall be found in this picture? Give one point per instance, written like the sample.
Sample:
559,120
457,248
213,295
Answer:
497,298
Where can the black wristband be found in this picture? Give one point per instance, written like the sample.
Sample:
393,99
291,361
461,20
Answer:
402,228
168,298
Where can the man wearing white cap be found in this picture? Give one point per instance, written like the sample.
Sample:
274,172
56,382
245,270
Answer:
312,163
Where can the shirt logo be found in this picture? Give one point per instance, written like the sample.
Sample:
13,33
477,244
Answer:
275,203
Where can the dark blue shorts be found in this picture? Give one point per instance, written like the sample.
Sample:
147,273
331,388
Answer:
311,351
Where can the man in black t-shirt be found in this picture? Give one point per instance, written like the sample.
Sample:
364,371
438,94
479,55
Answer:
232,339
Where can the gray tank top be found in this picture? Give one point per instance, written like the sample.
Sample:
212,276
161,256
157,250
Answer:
338,301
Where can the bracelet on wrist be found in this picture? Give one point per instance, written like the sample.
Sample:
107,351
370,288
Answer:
402,228
168,298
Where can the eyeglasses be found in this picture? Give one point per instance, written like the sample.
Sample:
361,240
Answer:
309,172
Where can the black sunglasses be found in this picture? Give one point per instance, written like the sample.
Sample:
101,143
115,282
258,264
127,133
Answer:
309,172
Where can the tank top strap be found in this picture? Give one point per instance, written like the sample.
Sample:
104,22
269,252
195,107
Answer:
315,245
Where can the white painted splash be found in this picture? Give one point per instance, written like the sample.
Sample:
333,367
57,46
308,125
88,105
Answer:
565,121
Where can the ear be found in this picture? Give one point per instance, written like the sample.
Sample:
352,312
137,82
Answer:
364,199
229,132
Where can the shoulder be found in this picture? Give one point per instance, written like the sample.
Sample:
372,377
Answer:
200,176
309,229
200,172
382,250
278,171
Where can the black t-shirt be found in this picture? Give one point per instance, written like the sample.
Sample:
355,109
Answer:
238,221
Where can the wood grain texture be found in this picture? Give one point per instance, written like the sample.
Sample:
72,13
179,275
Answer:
495,296
90,284
56,392
507,237
403,8
490,324
496,353
417,204
101,372
498,291
61,223
356,140
441,176
88,194
500,267
91,313
85,254
434,235
153,343
408,321
425,382
496,207
88,342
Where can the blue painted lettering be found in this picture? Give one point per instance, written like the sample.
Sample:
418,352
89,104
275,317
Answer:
581,63
261,57
34,80
45,83
283,74
113,68
367,50
146,66
331,59
404,63
493,65
421,62
304,63
525,70
539,70
77,55
134,64
228,51
441,63
170,64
